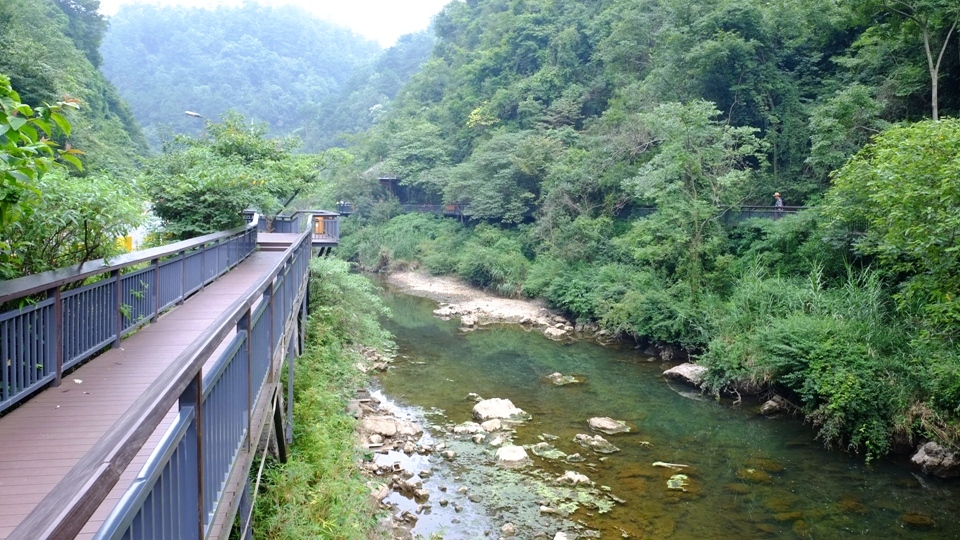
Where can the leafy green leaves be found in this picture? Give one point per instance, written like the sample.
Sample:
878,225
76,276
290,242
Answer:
906,185
200,186
24,155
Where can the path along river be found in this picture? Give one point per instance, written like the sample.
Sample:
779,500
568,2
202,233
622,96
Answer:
749,476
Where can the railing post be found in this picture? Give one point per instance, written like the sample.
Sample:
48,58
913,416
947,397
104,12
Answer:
156,290
118,305
272,307
193,397
203,266
183,278
245,324
58,328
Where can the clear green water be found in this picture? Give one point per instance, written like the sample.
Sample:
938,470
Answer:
750,476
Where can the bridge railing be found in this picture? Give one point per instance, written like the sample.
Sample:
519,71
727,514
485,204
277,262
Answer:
180,491
63,317
325,224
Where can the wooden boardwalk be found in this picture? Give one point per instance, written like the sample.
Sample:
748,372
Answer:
41,440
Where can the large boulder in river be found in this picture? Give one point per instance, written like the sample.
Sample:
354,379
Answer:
688,373
489,409
608,426
937,460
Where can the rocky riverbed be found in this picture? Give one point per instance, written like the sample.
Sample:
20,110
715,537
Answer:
602,445
477,308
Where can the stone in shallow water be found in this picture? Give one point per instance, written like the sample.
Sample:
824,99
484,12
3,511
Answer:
573,478
512,455
559,379
788,516
489,409
739,489
766,465
608,426
492,425
916,520
547,451
674,466
688,373
678,482
755,476
937,460
596,443
468,427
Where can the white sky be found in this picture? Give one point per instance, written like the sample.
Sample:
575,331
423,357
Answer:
380,20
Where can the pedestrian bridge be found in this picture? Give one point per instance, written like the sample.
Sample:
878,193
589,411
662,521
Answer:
136,392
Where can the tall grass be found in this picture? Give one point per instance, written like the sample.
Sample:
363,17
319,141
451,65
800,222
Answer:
320,493
835,351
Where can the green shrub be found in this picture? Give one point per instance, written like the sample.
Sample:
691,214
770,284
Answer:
834,351
320,492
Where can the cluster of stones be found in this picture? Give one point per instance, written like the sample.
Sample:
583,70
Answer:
373,360
553,326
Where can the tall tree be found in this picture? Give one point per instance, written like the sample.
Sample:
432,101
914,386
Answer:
701,165
934,22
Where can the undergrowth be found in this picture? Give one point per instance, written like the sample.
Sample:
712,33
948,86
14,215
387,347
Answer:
320,492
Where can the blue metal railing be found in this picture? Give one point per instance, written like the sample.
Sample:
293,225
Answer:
230,395
66,326
325,225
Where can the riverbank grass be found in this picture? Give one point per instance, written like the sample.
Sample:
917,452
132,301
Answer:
320,492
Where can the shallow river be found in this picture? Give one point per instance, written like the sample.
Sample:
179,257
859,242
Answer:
749,476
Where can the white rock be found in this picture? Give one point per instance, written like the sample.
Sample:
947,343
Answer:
608,426
554,333
508,530
573,478
511,454
562,536
381,425
468,427
492,425
489,409
409,429
688,373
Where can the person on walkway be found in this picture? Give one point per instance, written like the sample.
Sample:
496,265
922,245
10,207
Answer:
777,206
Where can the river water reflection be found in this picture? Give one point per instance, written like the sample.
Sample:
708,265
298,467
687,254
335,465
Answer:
749,476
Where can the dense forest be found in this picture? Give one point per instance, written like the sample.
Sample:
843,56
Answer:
601,154
276,65
601,151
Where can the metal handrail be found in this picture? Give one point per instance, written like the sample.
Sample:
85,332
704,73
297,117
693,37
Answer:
13,289
66,509
45,337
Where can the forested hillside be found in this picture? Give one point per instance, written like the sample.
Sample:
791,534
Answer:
603,150
49,49
272,64
69,145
